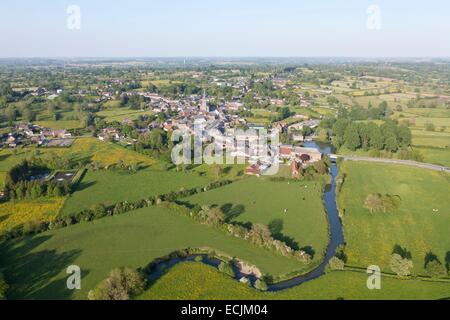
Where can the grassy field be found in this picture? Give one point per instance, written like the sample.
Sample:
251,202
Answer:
108,153
120,114
13,214
112,186
435,155
83,148
262,201
419,117
430,138
428,112
414,225
230,171
60,124
182,282
36,266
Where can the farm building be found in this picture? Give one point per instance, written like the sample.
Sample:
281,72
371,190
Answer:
253,170
306,155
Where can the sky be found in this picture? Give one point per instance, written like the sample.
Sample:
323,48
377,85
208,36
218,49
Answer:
225,28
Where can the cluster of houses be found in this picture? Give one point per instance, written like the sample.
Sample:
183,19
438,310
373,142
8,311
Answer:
296,157
28,133
220,116
217,122
183,114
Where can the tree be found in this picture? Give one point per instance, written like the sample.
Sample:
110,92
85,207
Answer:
28,115
260,234
429,126
124,100
11,114
402,267
284,113
57,190
215,217
154,139
376,137
20,192
99,210
339,129
121,284
320,167
305,158
364,133
261,285
351,137
373,202
226,268
436,269
404,136
336,264
377,202
332,100
6,89
391,143
36,191
306,131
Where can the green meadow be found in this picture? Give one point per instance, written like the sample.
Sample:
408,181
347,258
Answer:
112,186
419,224
435,139
61,124
36,266
435,155
293,210
182,283
120,114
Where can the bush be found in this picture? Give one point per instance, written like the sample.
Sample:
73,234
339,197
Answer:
99,210
336,264
261,285
429,126
400,266
226,268
121,284
436,269
376,202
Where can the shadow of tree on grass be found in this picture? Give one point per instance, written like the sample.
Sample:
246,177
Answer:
232,212
276,228
32,273
402,252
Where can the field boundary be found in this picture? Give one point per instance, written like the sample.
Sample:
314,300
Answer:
410,163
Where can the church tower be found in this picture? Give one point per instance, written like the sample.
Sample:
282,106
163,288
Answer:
204,106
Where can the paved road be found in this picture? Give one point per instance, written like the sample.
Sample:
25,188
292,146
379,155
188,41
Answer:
403,162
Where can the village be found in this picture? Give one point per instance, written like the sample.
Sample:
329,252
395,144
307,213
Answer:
185,113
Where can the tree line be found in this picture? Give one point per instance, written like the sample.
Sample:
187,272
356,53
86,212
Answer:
20,186
368,136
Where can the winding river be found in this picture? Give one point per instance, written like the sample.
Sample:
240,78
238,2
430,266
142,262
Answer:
335,225
335,230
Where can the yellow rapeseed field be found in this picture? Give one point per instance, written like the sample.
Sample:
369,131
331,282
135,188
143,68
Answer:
108,153
15,213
